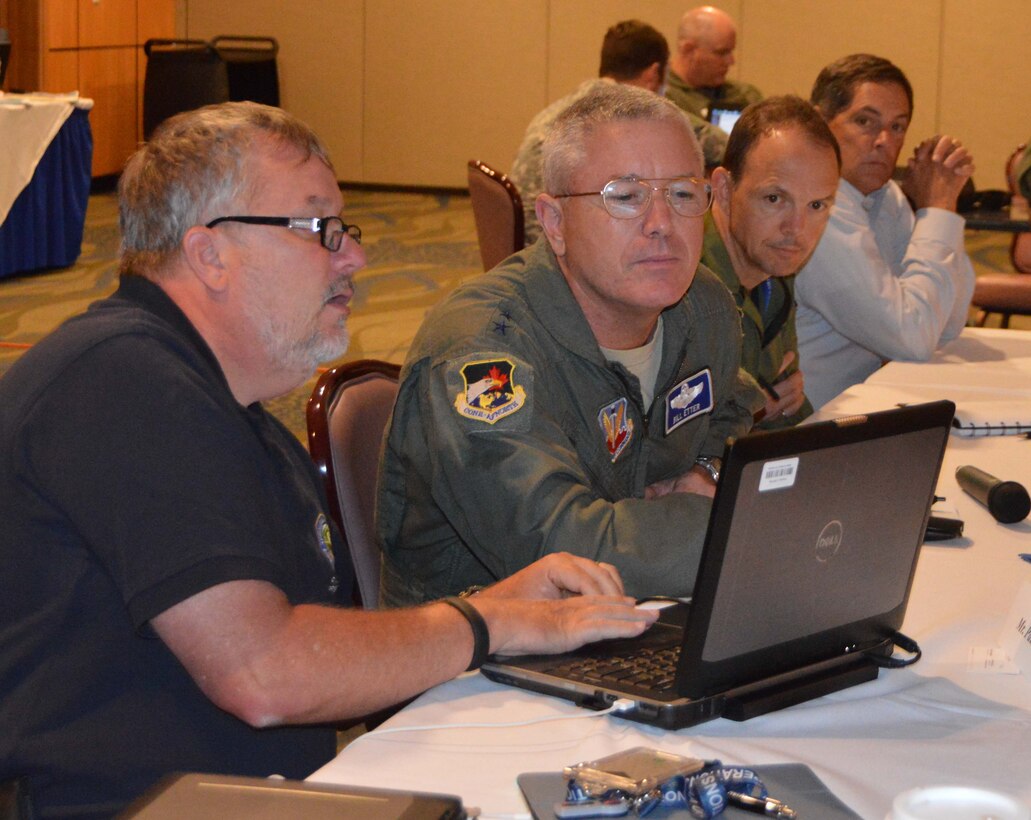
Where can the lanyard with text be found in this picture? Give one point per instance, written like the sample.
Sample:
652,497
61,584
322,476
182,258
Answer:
704,794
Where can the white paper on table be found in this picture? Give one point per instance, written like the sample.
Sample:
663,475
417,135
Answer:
1016,632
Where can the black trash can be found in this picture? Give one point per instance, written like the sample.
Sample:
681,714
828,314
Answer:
251,67
5,54
181,75
185,74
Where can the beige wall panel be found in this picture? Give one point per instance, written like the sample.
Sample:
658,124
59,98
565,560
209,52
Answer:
576,29
321,62
108,75
24,22
787,42
986,81
60,24
155,18
447,81
60,72
409,93
141,77
107,23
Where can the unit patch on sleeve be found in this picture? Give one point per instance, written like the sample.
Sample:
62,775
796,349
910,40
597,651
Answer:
325,542
617,427
489,392
691,397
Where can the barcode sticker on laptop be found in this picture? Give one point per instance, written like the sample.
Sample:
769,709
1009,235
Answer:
777,475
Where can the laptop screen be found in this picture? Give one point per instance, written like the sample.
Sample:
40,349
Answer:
724,118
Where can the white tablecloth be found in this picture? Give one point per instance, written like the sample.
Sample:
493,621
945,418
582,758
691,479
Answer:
28,124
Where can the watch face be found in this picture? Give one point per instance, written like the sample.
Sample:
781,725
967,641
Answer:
711,466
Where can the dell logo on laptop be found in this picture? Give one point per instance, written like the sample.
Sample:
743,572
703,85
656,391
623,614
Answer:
829,540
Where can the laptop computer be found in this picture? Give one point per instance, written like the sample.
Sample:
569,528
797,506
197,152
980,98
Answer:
803,582
228,797
723,116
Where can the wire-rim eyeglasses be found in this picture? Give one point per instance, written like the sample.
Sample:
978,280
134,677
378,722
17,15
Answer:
630,197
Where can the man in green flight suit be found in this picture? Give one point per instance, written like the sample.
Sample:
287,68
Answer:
578,396
697,77
771,201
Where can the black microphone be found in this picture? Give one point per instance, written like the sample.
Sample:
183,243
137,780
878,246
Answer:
1008,501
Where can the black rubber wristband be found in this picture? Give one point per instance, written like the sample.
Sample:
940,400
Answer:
481,635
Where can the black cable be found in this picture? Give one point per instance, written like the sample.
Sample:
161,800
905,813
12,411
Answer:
906,644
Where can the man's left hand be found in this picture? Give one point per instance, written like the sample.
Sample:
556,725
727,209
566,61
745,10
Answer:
937,172
696,480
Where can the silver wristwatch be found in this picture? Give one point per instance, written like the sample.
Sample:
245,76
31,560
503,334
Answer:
712,466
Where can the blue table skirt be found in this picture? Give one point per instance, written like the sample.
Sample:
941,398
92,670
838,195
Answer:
44,226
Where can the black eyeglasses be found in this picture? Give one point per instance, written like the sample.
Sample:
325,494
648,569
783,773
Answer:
331,229
629,197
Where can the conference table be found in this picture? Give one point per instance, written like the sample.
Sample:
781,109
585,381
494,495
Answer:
960,716
1007,220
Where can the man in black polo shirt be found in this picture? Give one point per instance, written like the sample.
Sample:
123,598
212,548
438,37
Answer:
169,594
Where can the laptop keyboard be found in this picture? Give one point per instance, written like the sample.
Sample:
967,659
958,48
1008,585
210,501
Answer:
648,668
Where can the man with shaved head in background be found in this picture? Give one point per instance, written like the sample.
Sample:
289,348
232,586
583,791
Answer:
697,77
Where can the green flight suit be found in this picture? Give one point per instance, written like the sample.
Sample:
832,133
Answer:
765,341
698,100
513,437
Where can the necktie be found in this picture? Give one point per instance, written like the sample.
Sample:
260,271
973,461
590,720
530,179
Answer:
761,294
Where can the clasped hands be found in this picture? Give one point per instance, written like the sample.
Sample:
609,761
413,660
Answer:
937,172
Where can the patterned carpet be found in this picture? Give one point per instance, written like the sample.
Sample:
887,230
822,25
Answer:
419,247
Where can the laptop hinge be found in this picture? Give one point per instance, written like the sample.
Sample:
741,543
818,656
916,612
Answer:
758,700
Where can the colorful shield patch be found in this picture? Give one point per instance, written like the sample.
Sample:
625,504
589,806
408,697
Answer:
692,397
617,426
490,393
